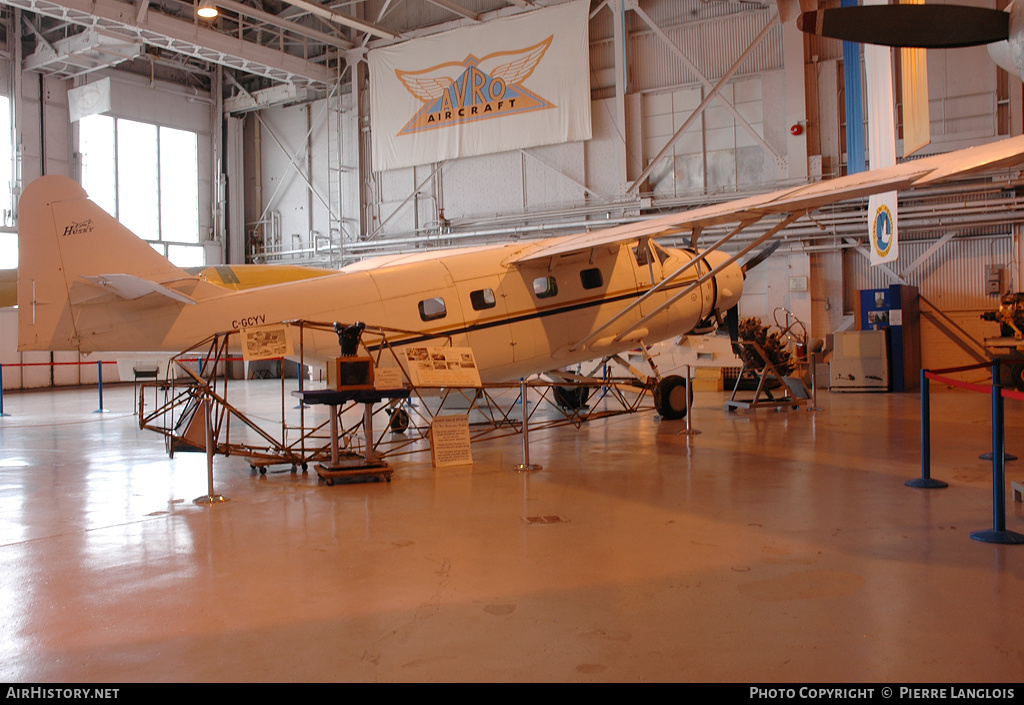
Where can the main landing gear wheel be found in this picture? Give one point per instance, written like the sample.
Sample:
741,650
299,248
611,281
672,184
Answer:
571,398
399,422
670,397
1017,376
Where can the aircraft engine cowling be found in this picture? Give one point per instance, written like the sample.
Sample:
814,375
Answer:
728,282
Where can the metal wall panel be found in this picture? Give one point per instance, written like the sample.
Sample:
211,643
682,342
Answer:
480,186
712,46
954,278
545,185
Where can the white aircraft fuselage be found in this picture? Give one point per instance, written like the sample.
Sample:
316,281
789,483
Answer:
87,283
519,316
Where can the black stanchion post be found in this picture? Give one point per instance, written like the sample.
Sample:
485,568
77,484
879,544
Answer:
926,481
998,532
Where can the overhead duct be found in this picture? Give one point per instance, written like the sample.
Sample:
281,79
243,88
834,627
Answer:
82,53
110,18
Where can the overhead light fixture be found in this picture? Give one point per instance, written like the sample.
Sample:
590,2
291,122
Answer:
207,9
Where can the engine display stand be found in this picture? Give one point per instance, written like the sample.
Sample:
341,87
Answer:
794,393
349,465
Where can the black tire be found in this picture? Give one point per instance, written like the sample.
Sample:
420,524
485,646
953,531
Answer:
571,398
399,421
1017,375
670,397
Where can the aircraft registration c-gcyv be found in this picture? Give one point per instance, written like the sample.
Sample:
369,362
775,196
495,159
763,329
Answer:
87,283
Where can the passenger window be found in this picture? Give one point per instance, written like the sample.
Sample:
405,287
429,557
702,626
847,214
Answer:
591,278
432,309
545,287
482,299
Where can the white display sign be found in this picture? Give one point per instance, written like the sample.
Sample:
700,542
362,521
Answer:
266,343
449,441
508,84
388,378
442,367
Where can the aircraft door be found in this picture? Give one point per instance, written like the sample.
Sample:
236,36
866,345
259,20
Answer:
648,267
486,314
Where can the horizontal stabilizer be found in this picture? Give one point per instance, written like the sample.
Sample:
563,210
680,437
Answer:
130,287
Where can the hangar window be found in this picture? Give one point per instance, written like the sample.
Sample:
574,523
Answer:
432,309
545,287
591,278
146,176
482,299
8,240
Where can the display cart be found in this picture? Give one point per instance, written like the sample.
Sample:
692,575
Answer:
349,465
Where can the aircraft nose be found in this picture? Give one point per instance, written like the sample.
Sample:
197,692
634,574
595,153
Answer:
728,280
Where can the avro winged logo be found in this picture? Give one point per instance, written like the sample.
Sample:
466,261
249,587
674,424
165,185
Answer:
475,89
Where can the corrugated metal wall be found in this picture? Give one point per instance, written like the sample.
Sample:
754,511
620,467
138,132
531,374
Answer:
954,278
713,46
954,281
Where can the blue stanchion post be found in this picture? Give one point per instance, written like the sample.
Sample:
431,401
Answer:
2,391
998,532
99,372
926,481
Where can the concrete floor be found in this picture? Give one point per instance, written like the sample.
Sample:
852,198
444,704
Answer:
772,547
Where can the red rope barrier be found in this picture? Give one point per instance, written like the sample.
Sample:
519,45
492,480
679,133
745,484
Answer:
111,362
54,364
973,387
965,368
983,388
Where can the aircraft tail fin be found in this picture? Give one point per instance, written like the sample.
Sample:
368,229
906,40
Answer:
72,253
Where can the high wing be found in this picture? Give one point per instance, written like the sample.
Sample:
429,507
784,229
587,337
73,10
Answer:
790,204
796,200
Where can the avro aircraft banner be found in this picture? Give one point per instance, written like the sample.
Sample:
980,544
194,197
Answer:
512,83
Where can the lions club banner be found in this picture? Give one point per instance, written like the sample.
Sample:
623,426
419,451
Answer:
508,84
882,226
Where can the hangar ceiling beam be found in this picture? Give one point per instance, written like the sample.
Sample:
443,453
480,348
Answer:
300,29
118,19
714,92
344,20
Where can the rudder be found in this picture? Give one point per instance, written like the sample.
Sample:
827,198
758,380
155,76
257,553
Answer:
66,242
